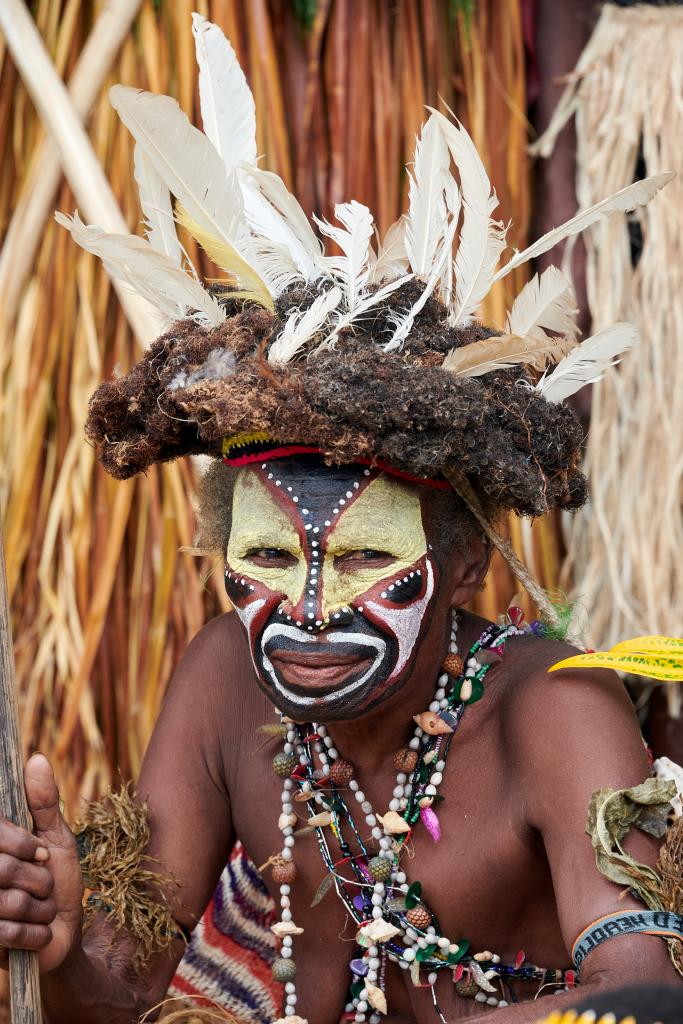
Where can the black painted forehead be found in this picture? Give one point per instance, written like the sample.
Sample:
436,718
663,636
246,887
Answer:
312,485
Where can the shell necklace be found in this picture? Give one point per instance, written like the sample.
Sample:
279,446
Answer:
392,920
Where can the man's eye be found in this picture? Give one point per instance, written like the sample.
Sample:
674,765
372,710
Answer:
266,556
367,556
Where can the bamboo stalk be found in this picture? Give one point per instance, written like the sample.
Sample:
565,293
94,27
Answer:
76,154
35,203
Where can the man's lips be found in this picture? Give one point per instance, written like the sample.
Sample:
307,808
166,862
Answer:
323,671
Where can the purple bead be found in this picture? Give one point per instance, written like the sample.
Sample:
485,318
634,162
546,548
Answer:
359,903
359,967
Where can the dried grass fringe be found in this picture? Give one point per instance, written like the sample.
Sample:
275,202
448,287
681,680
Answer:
627,97
112,837
670,870
611,816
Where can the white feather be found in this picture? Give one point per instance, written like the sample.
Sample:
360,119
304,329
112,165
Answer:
300,328
392,258
427,210
481,239
625,200
193,171
273,213
157,210
351,316
229,119
274,262
453,204
545,303
404,325
225,99
587,363
351,270
149,273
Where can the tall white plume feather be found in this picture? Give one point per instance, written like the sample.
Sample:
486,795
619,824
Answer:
157,210
587,363
392,258
301,328
404,325
481,239
273,213
226,103
191,168
453,204
151,274
427,209
545,303
229,119
351,270
627,199
348,318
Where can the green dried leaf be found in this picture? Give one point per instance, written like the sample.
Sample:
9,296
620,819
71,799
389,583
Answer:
611,815
323,889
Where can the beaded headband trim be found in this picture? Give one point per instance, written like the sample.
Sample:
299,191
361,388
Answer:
243,449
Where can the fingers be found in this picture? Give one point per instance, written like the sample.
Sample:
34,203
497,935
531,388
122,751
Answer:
20,874
19,935
43,798
21,844
18,905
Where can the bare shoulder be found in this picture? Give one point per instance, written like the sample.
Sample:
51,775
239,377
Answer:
568,695
214,679
574,728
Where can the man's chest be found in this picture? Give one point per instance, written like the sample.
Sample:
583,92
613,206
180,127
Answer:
484,876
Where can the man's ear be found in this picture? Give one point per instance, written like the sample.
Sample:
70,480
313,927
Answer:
470,571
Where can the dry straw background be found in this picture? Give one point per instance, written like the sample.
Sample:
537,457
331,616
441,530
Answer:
103,599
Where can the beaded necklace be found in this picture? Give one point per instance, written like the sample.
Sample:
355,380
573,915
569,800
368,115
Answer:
393,921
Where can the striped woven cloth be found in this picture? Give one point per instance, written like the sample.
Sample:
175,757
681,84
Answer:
228,959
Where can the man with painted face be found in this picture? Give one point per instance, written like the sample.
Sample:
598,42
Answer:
345,582
419,813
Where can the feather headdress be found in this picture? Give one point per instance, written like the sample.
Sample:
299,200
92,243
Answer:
362,351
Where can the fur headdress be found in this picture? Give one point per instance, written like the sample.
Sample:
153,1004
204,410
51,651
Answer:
370,352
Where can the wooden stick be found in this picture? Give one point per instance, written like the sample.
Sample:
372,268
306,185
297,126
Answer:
536,592
25,230
81,166
23,965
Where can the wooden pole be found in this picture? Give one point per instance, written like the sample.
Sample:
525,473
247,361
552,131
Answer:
24,981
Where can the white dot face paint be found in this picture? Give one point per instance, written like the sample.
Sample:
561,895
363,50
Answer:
334,601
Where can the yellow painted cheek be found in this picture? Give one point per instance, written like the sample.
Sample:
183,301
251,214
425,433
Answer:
386,517
342,588
259,522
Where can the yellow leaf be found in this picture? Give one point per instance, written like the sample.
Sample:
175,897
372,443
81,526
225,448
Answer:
665,669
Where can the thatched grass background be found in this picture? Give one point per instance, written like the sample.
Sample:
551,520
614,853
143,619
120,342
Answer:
103,600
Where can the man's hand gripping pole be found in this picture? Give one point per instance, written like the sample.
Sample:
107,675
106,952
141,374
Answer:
23,964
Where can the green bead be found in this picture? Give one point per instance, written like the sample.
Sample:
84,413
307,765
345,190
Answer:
380,869
284,970
284,764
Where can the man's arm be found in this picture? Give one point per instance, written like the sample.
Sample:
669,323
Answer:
183,782
569,734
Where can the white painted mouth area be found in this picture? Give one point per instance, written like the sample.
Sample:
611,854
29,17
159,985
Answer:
376,646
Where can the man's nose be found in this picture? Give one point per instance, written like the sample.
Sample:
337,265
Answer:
300,615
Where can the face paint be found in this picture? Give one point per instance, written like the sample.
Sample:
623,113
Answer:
330,573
